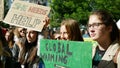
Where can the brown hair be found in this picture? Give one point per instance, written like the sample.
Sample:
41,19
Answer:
31,49
73,29
11,42
107,19
3,44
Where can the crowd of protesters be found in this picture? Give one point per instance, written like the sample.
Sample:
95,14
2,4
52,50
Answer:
19,47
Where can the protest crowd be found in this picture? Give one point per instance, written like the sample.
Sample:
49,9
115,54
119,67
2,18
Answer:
20,47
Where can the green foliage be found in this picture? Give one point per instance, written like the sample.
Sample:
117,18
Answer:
110,5
4,25
80,9
54,24
77,9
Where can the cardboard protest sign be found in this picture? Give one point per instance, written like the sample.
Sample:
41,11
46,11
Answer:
1,9
66,54
27,15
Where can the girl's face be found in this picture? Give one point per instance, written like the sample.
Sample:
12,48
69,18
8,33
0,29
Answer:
64,35
31,36
97,29
7,36
22,31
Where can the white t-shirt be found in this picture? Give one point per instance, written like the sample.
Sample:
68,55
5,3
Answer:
38,46
22,39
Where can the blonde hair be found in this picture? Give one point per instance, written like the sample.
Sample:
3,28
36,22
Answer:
16,32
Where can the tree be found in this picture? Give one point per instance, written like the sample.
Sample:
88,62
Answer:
110,5
77,9
63,9
80,9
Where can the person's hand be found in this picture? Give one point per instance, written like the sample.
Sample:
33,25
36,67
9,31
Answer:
46,21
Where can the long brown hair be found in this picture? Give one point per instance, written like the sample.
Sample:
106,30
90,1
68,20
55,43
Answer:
11,41
3,44
31,55
73,29
31,49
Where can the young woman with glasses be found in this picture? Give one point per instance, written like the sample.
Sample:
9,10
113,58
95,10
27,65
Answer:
103,29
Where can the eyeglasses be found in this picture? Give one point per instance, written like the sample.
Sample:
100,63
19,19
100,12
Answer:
22,30
94,25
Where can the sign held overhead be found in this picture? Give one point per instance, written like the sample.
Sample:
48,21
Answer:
27,15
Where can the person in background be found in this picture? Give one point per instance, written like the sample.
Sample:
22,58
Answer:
70,30
6,59
41,34
51,34
4,42
3,55
19,38
3,52
28,55
9,36
3,29
56,36
85,33
103,30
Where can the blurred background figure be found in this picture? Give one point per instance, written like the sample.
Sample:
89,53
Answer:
19,38
85,33
9,36
6,59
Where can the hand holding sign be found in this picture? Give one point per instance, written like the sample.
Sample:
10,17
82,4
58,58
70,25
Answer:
46,21
27,15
